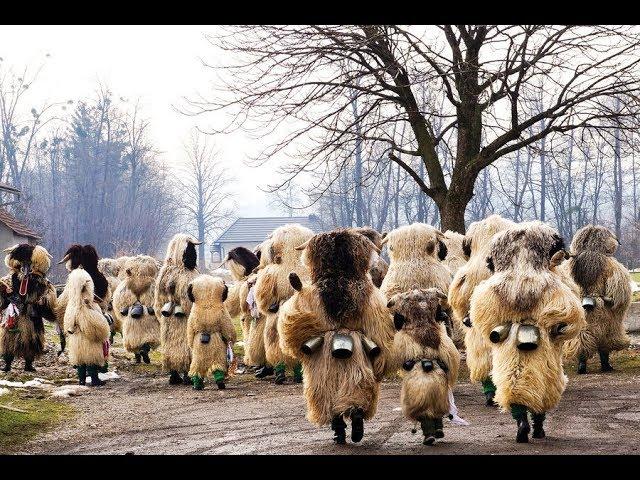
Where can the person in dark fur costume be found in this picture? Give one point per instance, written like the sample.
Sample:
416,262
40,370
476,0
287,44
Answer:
340,329
427,356
27,297
605,288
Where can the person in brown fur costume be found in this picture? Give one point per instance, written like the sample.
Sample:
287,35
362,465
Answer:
111,269
427,355
86,327
210,330
27,298
133,306
273,288
606,292
476,245
527,312
380,266
172,305
340,328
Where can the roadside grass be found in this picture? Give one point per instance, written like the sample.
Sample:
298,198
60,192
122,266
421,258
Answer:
17,428
626,362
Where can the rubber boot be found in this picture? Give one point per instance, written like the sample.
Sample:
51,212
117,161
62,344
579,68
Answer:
582,365
264,371
28,365
428,430
605,366
8,359
198,382
138,357
82,374
297,373
92,370
538,421
280,370
104,368
357,425
439,428
339,428
186,379
218,376
144,353
489,390
174,378
519,413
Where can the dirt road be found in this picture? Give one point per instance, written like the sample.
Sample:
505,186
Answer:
141,414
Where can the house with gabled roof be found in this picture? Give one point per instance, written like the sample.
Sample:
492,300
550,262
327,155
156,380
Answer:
251,232
12,230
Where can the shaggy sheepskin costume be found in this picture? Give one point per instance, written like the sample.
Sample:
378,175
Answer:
476,246
416,253
527,312
86,327
379,267
86,257
27,297
133,306
456,257
428,357
340,328
273,288
605,289
209,330
241,262
172,305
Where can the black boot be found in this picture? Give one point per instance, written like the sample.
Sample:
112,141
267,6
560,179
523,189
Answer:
428,430
339,428
186,379
605,366
582,365
264,371
490,399
439,433
82,374
174,378
538,421
357,425
523,425
28,365
95,379
144,353
138,357
7,362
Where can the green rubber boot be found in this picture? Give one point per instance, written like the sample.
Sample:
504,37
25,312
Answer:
297,373
280,370
428,430
519,413
218,376
489,390
82,374
198,382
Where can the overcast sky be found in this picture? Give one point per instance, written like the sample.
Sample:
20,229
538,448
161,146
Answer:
157,64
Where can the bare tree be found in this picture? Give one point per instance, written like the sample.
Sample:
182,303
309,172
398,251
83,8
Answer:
303,76
204,192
